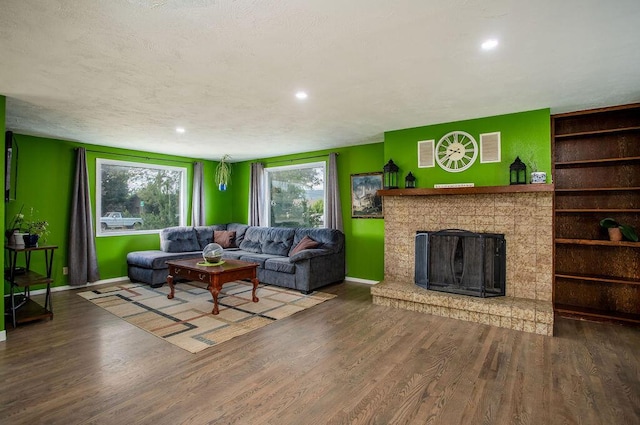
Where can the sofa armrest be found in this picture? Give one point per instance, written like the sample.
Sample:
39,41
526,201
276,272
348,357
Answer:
305,254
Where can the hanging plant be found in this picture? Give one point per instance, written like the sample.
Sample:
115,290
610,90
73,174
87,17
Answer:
223,172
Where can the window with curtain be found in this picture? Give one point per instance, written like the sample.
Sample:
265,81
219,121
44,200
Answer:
134,197
295,195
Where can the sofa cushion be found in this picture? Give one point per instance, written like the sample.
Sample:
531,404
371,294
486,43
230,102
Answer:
179,239
260,259
305,243
308,253
240,230
225,238
205,233
330,239
277,240
280,264
155,259
252,241
234,253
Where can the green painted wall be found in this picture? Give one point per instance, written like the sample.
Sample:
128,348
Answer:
46,170
364,238
524,134
3,103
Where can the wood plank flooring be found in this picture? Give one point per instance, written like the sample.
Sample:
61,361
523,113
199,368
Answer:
345,361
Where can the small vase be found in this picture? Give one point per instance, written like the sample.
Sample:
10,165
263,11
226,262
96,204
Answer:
18,239
30,241
538,177
222,187
615,234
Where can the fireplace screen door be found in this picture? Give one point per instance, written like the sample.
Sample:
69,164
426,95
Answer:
461,262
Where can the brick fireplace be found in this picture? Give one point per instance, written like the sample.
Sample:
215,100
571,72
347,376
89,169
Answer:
524,214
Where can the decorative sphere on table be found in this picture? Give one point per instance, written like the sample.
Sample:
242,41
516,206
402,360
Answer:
212,253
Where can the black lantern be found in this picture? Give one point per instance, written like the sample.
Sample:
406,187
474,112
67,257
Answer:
517,172
410,181
390,171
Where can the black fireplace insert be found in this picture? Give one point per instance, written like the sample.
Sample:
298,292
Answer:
461,262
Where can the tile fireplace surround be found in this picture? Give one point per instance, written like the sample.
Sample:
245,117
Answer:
524,214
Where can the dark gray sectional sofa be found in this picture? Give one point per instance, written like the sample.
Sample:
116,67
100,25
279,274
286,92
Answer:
270,247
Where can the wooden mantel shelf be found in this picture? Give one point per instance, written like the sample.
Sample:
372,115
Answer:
516,188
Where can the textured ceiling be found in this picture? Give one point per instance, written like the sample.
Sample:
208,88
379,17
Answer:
127,73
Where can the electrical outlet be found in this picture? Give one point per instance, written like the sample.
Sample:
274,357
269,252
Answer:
65,270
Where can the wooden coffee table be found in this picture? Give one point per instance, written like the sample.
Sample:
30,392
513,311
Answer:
214,276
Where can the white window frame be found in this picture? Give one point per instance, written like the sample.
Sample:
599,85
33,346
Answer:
183,195
267,189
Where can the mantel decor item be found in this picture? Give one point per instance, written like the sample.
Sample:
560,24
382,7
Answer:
390,171
536,176
517,172
365,202
410,181
539,177
223,172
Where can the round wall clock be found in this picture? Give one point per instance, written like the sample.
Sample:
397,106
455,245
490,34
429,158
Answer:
456,151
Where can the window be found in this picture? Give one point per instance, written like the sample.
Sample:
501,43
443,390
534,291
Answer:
295,195
138,198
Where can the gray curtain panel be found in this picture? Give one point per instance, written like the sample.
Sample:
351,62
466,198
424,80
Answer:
334,207
256,195
83,261
197,198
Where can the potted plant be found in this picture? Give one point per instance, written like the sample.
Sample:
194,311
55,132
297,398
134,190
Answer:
36,229
223,172
15,232
15,225
535,176
619,231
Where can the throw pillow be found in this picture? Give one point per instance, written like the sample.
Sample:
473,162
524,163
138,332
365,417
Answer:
305,243
225,238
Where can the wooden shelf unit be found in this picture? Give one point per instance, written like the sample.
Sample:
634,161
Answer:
19,306
596,173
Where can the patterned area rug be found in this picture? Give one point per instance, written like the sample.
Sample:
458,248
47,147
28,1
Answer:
186,320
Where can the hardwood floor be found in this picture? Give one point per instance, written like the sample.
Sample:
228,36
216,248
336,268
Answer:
345,361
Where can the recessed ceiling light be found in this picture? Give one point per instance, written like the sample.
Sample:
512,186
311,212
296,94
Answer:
180,130
302,95
490,44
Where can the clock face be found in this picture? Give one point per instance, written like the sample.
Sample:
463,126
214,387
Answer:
456,151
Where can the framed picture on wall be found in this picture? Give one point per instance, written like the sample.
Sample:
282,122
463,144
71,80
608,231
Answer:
364,201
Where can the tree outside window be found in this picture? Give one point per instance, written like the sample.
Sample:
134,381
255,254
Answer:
296,195
136,197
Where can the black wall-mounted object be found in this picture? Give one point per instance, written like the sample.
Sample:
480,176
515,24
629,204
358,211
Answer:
8,155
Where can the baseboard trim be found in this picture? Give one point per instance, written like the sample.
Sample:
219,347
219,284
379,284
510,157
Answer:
3,335
358,280
69,287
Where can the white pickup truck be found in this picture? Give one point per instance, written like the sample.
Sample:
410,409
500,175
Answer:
113,220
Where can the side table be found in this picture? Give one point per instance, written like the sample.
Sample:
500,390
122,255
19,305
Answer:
21,308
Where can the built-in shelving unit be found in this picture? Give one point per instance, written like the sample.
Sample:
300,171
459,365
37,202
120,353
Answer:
596,156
